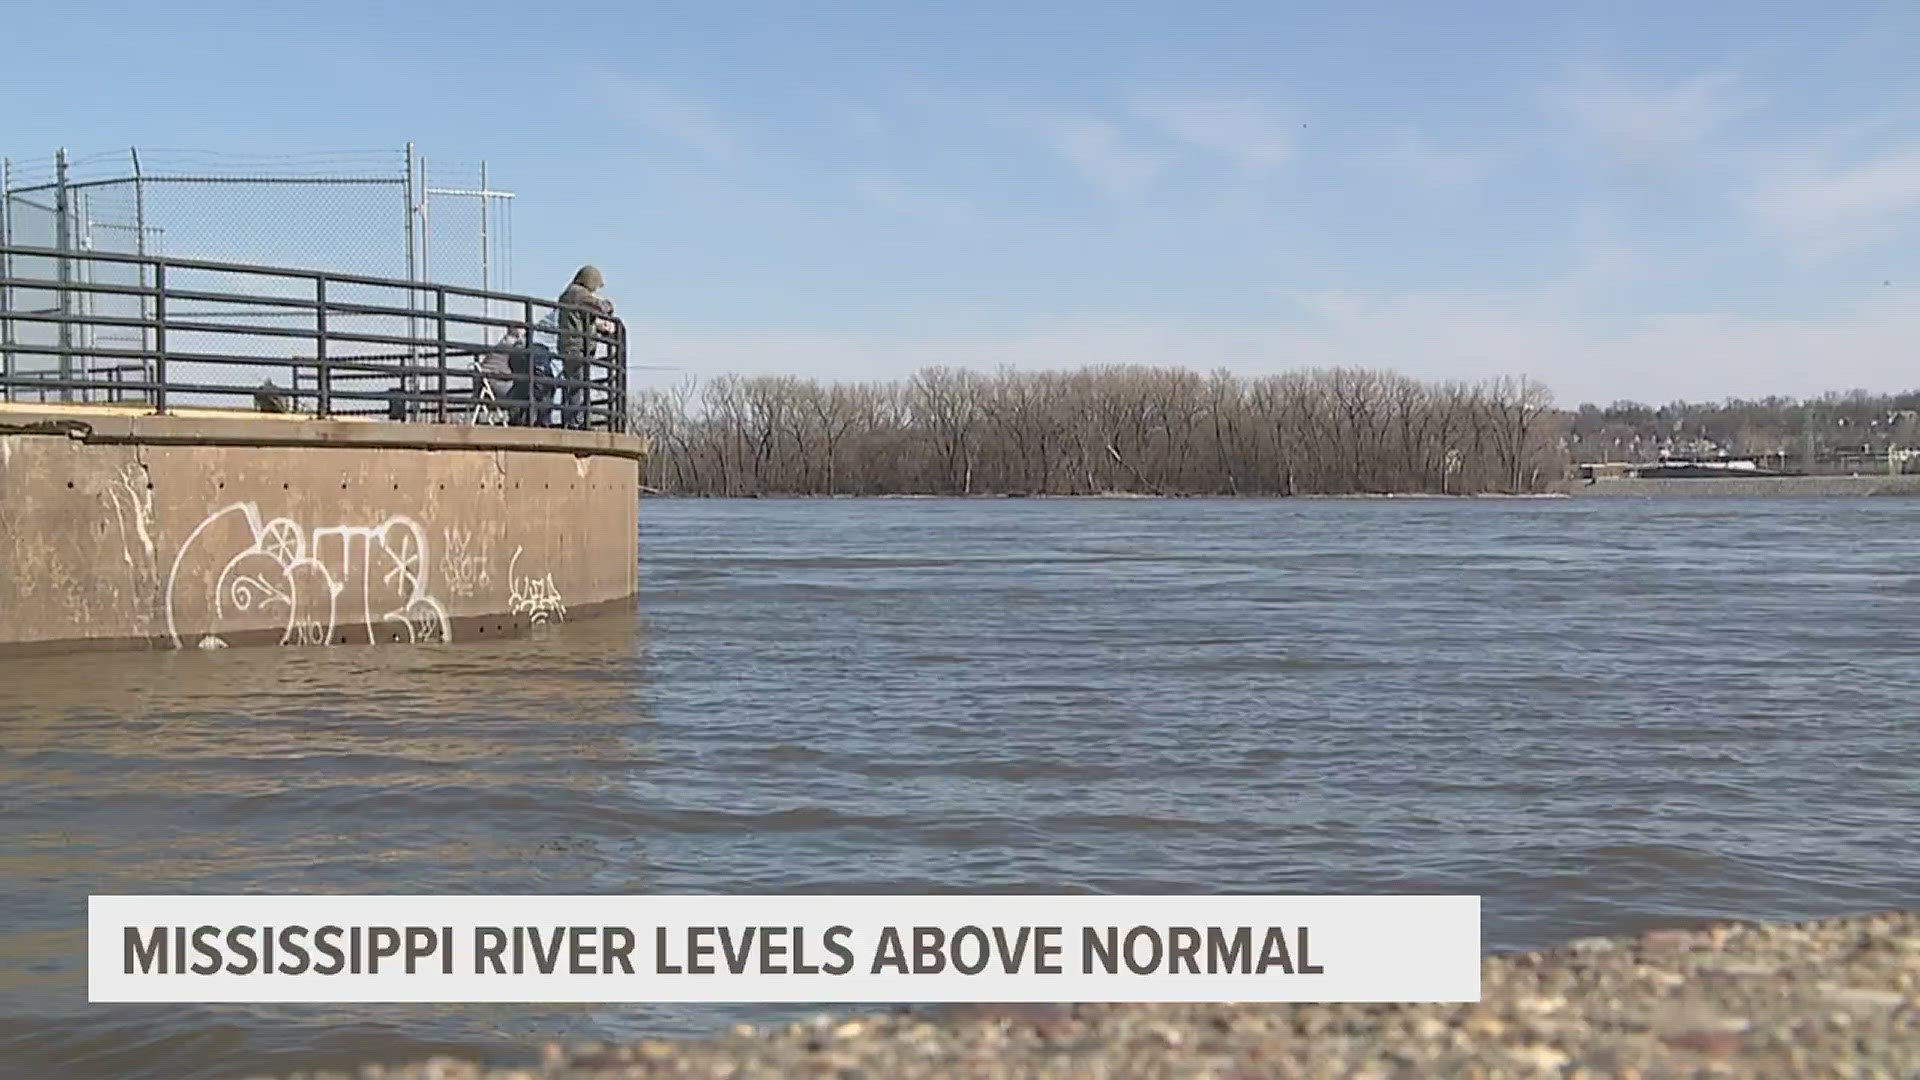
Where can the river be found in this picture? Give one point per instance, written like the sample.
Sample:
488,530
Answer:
1599,715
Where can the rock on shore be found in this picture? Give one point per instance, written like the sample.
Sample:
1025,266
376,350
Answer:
1834,998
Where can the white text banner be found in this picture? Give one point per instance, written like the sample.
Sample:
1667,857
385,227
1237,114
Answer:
826,949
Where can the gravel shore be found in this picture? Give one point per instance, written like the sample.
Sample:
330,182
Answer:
1834,998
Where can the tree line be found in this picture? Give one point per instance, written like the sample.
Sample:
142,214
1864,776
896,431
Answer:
1102,430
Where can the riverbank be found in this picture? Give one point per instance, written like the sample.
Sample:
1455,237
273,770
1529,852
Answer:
1837,997
1748,487
1692,488
1110,496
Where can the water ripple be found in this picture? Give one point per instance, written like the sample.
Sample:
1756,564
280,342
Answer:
1573,709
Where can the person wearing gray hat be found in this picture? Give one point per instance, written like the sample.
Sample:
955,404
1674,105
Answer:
581,310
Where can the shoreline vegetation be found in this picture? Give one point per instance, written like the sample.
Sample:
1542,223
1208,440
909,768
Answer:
1831,997
1115,431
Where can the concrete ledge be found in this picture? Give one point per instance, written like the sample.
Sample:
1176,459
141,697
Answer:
121,529
208,427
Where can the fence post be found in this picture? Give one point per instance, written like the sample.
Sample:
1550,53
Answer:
486,282
617,400
160,338
426,222
139,221
63,239
413,277
323,367
440,295
534,416
6,273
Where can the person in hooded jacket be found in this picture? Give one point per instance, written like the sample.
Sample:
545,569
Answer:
511,367
582,311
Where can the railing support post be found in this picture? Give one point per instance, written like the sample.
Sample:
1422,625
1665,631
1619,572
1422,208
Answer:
6,272
322,366
63,240
536,417
160,338
619,418
441,341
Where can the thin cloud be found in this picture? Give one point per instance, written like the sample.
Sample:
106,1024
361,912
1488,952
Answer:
1653,121
1830,210
1420,163
1246,131
894,196
1430,335
1106,155
1101,153
670,115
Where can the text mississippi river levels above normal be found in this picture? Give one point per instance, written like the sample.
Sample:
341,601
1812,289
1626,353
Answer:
295,950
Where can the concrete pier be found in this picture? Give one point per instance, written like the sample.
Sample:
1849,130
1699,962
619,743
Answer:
123,529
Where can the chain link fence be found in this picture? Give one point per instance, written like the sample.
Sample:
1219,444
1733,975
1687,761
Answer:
381,215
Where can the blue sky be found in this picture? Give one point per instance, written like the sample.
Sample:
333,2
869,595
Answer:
1641,200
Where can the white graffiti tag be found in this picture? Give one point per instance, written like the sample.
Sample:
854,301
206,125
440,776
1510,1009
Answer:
536,598
132,501
304,584
465,566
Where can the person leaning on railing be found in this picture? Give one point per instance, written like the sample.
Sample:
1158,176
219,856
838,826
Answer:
583,312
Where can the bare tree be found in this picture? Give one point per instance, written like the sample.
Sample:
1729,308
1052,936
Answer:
1517,406
1144,429
946,400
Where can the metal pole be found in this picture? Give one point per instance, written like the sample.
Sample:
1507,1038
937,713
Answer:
536,417
323,373
64,271
618,420
413,325
407,196
426,235
140,236
441,306
486,202
486,275
6,272
85,272
139,211
426,221
160,337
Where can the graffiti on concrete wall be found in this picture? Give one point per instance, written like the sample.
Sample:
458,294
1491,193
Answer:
132,499
535,597
466,567
237,570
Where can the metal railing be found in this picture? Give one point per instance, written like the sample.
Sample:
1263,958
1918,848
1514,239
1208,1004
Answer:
89,326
